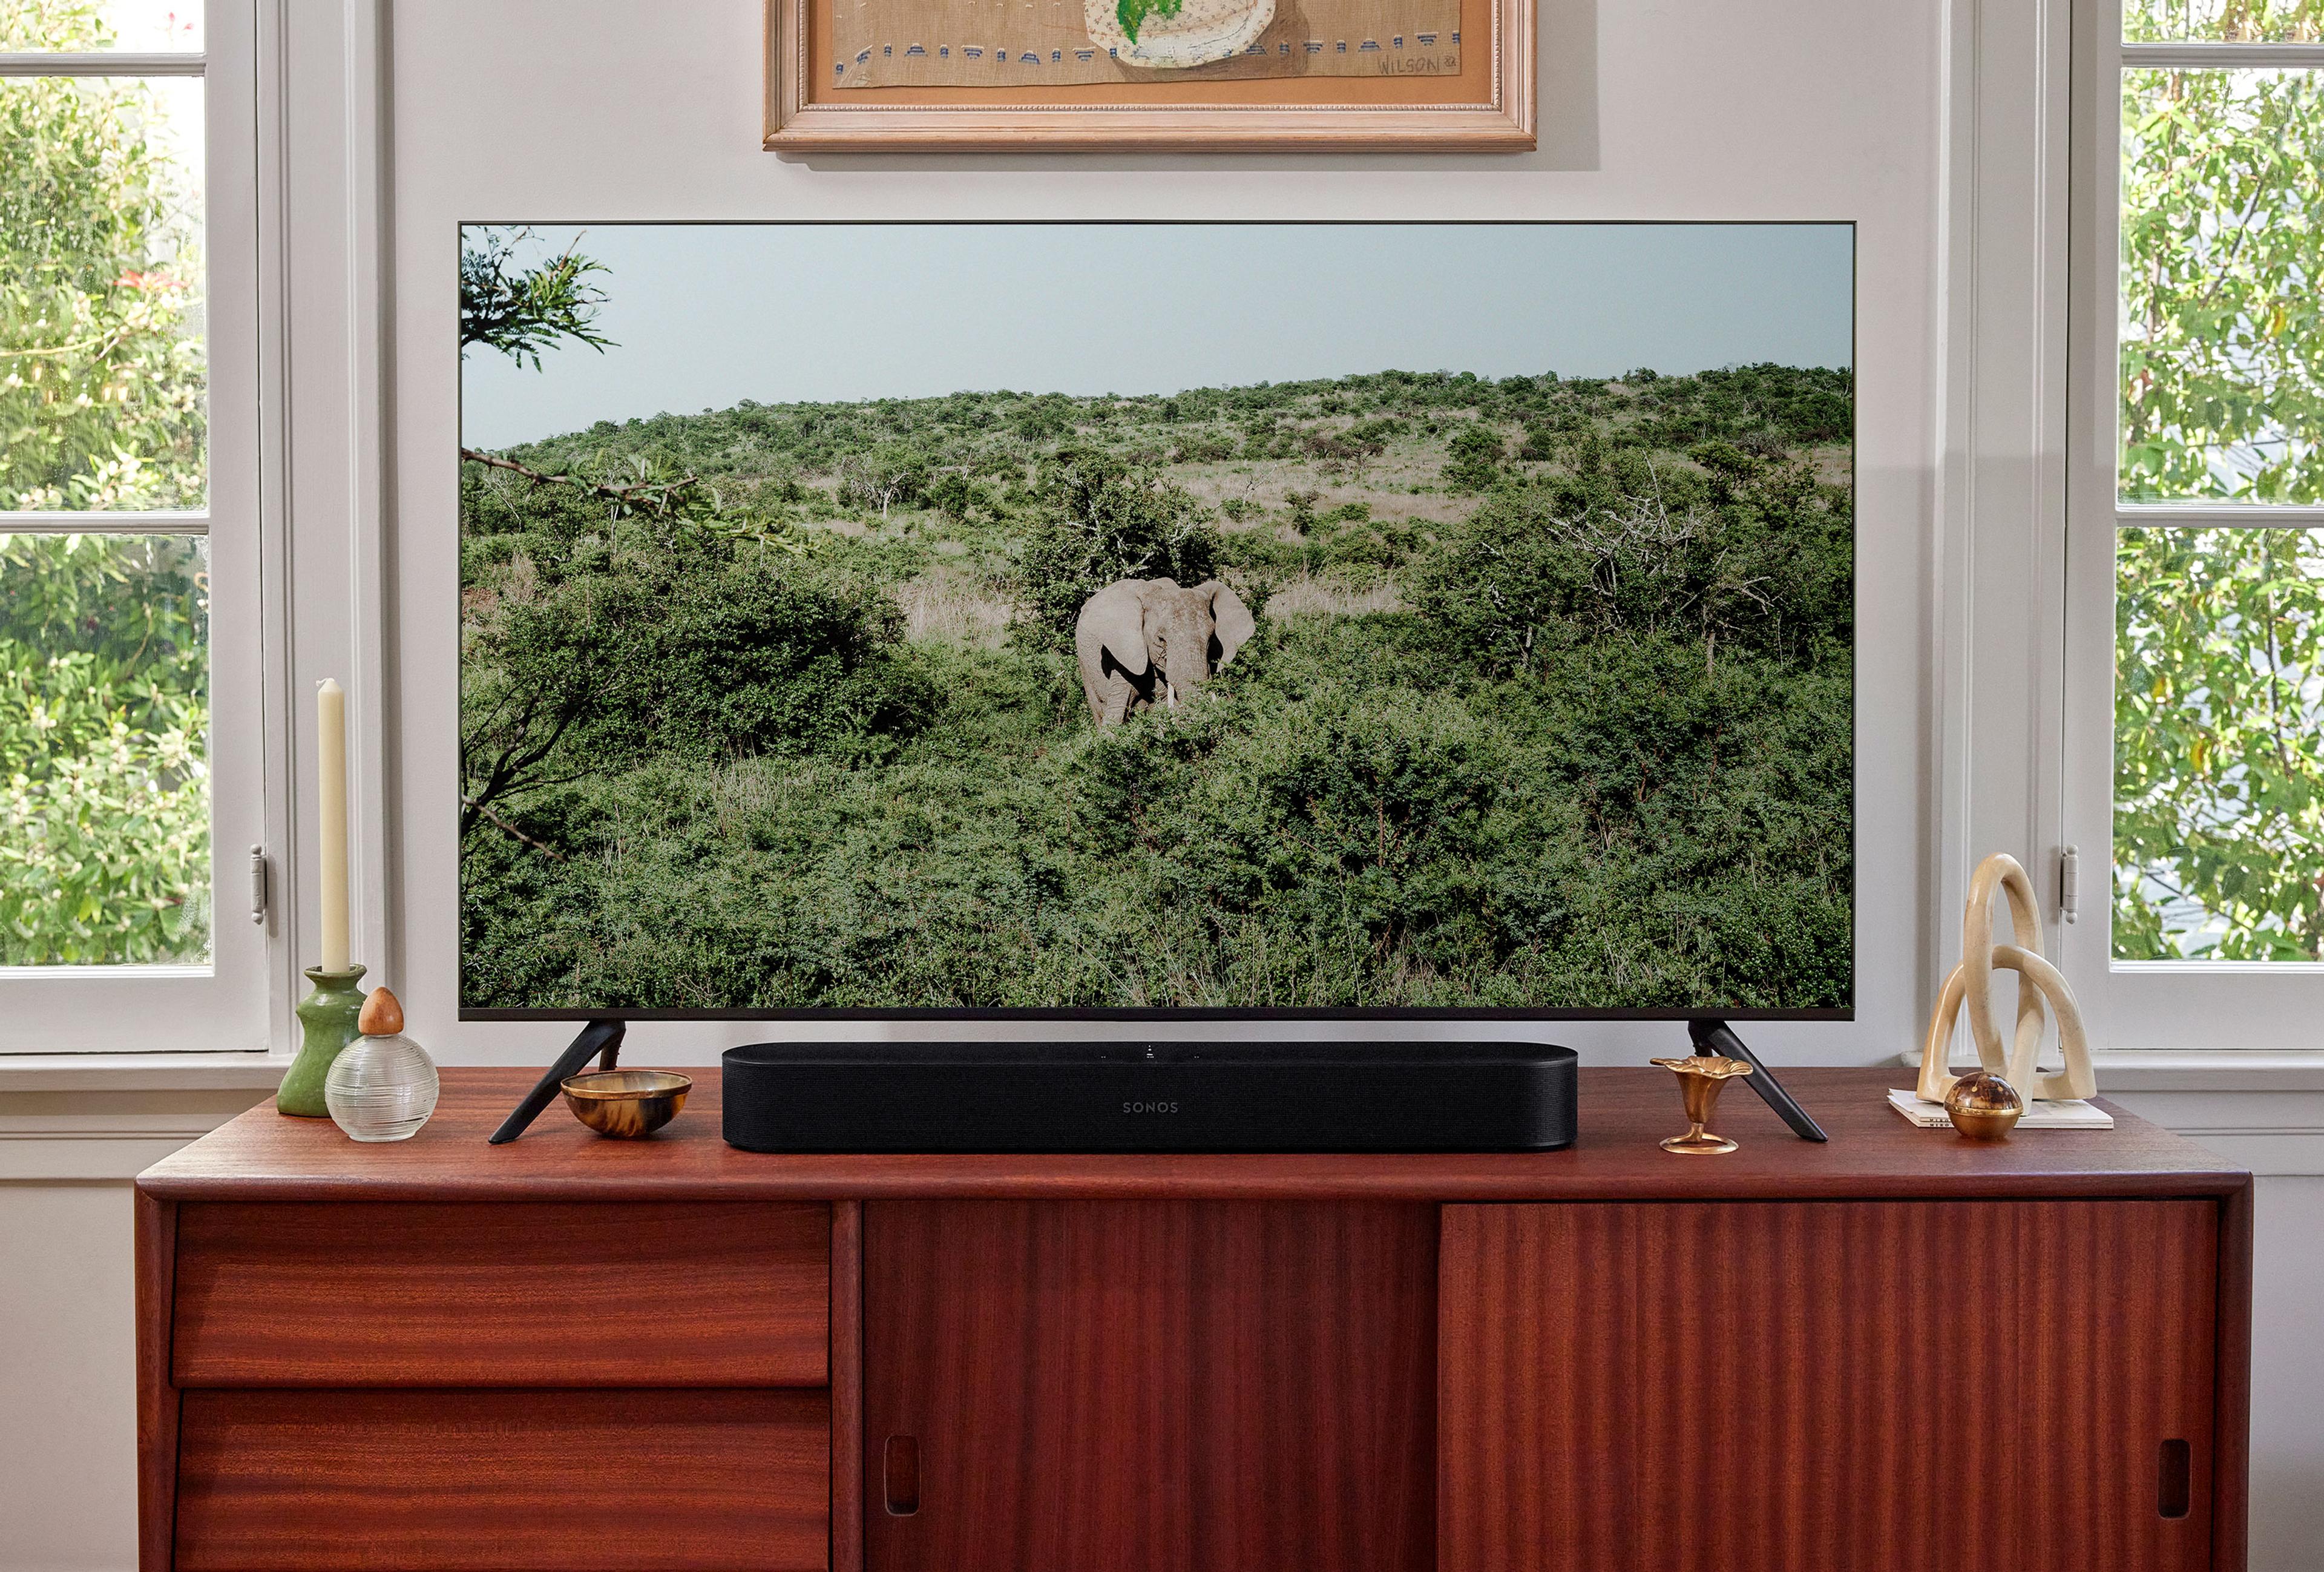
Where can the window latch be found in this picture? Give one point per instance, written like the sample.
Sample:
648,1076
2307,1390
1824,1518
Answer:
258,882
2070,883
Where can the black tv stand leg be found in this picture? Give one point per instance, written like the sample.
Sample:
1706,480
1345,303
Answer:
600,1037
1716,1037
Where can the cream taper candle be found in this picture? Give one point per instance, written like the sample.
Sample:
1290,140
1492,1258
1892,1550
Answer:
331,768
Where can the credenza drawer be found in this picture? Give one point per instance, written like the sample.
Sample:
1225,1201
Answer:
502,1295
636,1481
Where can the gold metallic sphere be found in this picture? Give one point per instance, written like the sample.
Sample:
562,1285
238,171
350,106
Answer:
1983,1107
626,1103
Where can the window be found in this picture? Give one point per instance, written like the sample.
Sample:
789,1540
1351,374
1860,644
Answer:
130,695
2194,756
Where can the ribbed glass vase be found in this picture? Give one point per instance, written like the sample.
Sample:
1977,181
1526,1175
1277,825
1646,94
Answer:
381,1088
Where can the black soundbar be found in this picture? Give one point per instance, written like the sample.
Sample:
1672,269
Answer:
1149,1096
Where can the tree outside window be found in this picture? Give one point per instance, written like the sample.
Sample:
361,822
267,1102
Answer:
2218,822
104,820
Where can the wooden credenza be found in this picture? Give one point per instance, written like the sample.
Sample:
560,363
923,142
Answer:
1899,1350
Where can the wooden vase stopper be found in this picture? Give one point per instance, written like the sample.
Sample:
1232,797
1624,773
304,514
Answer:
382,1015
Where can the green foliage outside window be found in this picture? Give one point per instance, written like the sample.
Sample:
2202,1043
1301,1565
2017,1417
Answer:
101,363
2223,325
104,824
2218,781
2220,687
2223,20
104,714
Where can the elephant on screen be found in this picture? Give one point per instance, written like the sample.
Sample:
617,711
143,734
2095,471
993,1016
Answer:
1147,640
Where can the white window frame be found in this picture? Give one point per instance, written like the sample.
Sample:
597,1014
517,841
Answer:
2136,1004
228,1005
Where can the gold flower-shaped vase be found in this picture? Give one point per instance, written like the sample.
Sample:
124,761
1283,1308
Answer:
1700,1077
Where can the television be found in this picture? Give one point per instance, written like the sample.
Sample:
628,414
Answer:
1157,621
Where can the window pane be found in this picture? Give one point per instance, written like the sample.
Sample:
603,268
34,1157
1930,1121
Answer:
2218,818
137,26
2222,316
2223,20
101,364
105,817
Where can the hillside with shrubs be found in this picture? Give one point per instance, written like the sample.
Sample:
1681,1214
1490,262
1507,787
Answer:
1550,703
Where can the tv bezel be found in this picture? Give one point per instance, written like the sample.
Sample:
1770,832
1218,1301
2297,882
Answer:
1417,1015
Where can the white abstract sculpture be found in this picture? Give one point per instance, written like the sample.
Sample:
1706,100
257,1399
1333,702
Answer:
1971,984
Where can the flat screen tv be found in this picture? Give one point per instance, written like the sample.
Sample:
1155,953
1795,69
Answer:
1157,620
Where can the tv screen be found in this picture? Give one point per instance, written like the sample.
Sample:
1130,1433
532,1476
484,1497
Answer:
1147,618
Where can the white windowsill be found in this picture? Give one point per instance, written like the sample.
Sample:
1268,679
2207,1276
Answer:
106,1117
2207,1069
141,1072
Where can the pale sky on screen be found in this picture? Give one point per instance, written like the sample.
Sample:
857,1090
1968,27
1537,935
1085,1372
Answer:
704,315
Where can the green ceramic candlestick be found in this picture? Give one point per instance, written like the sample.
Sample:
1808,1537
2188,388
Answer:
327,1021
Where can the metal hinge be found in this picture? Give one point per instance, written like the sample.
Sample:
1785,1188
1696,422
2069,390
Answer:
2070,883
259,884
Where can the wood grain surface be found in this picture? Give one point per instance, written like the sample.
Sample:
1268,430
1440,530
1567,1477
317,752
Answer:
1138,1387
847,1386
534,1294
322,1481
262,1156
1878,1385
157,1398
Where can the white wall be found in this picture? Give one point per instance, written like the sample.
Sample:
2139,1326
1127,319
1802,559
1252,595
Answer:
602,109
68,1379
2287,1494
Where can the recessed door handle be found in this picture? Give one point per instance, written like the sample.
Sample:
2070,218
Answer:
900,1474
2174,1479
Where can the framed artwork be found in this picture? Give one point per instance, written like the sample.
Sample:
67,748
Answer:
1221,75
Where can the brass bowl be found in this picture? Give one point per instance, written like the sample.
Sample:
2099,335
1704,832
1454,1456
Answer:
626,1103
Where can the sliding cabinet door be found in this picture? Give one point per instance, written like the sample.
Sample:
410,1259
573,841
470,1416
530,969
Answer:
1993,1385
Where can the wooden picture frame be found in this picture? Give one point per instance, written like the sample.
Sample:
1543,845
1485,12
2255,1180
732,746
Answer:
1488,106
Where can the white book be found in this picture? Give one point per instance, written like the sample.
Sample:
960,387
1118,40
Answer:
2039,1116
